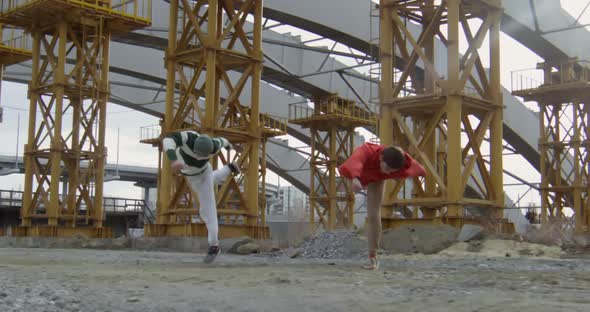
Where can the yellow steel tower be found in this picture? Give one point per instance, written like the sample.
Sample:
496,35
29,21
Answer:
562,92
208,45
463,98
68,94
331,121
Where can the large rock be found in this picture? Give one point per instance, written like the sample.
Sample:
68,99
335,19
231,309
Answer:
425,239
235,244
248,248
550,235
121,242
582,241
469,232
293,252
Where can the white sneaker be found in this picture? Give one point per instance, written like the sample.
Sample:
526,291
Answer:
372,264
212,252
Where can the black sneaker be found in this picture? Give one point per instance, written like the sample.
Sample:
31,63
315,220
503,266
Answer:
212,252
235,169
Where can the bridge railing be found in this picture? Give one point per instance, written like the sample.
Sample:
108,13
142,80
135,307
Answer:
526,79
11,198
112,205
150,132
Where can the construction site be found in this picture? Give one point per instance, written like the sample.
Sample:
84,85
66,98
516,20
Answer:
486,96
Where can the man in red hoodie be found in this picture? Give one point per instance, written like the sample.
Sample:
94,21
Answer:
369,166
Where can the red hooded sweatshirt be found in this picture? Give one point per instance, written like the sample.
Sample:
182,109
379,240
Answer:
365,164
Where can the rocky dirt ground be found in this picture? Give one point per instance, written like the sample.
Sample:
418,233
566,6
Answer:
35,279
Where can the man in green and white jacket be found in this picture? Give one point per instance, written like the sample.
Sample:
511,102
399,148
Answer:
189,152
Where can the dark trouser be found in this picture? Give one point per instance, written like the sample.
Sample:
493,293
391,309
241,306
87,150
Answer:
374,201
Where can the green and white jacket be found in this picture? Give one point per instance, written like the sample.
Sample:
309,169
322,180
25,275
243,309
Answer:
184,141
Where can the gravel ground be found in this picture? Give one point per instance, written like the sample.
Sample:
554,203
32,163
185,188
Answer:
102,280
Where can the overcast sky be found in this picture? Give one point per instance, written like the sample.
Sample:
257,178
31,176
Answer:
15,103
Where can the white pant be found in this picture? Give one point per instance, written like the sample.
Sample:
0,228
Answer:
203,184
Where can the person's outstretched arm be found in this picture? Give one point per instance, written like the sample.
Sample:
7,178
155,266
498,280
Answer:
352,168
219,143
415,169
170,143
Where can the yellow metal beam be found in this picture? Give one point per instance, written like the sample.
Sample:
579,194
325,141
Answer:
202,50
60,231
442,109
200,229
57,145
251,181
332,142
386,85
564,130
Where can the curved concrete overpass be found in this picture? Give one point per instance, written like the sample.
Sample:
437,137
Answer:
525,21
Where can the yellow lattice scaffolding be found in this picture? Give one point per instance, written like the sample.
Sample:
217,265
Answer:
68,92
272,126
562,90
211,59
429,124
331,121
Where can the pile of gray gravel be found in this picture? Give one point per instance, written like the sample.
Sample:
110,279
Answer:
325,245
334,245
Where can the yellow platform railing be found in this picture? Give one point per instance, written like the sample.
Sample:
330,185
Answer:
348,109
274,123
269,123
565,72
135,9
15,38
150,132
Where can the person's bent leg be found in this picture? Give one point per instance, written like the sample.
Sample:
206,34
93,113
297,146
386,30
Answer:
221,174
208,212
374,201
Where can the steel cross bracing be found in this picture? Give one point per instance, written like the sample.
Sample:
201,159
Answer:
198,61
332,122
441,109
564,126
57,144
